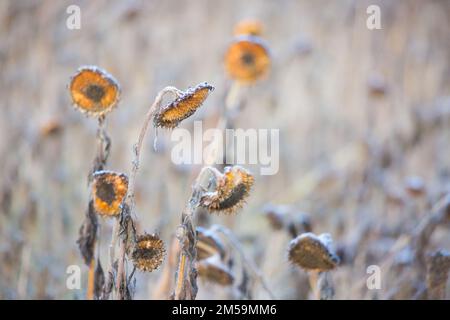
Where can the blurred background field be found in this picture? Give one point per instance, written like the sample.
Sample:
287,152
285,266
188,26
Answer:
364,120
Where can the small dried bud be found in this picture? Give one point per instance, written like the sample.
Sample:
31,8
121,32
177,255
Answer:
148,253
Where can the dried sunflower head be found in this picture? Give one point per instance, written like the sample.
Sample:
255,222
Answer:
232,188
148,253
108,192
94,91
250,27
213,270
247,59
312,252
208,244
183,107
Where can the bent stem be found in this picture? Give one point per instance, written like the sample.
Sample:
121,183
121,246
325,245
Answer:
138,146
132,182
251,266
186,276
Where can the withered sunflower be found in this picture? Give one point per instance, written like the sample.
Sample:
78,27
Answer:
312,252
183,107
94,91
232,189
148,253
208,244
213,270
247,59
108,192
250,27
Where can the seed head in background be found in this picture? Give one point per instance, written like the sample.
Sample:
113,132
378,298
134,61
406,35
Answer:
148,253
208,244
250,27
94,91
247,59
215,271
183,107
312,252
108,192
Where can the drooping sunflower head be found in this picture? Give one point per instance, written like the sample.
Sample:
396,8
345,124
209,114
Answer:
108,192
213,270
94,91
247,59
251,27
208,244
232,190
183,107
148,253
312,252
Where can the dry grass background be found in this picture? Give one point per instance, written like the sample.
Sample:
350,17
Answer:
346,152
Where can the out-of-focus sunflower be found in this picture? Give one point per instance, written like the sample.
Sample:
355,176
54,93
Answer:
148,253
183,107
250,27
312,252
208,244
94,91
108,192
213,270
232,189
247,59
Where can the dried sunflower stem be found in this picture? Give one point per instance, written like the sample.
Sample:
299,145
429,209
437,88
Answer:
132,182
253,268
138,146
186,286
186,276
103,147
313,277
231,104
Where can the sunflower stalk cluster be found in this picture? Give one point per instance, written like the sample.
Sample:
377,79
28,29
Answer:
95,93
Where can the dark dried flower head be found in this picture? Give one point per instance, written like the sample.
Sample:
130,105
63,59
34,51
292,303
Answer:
312,252
213,270
94,91
183,107
250,27
247,59
232,189
108,192
208,244
148,253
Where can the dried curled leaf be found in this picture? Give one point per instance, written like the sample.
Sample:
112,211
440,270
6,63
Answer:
88,235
